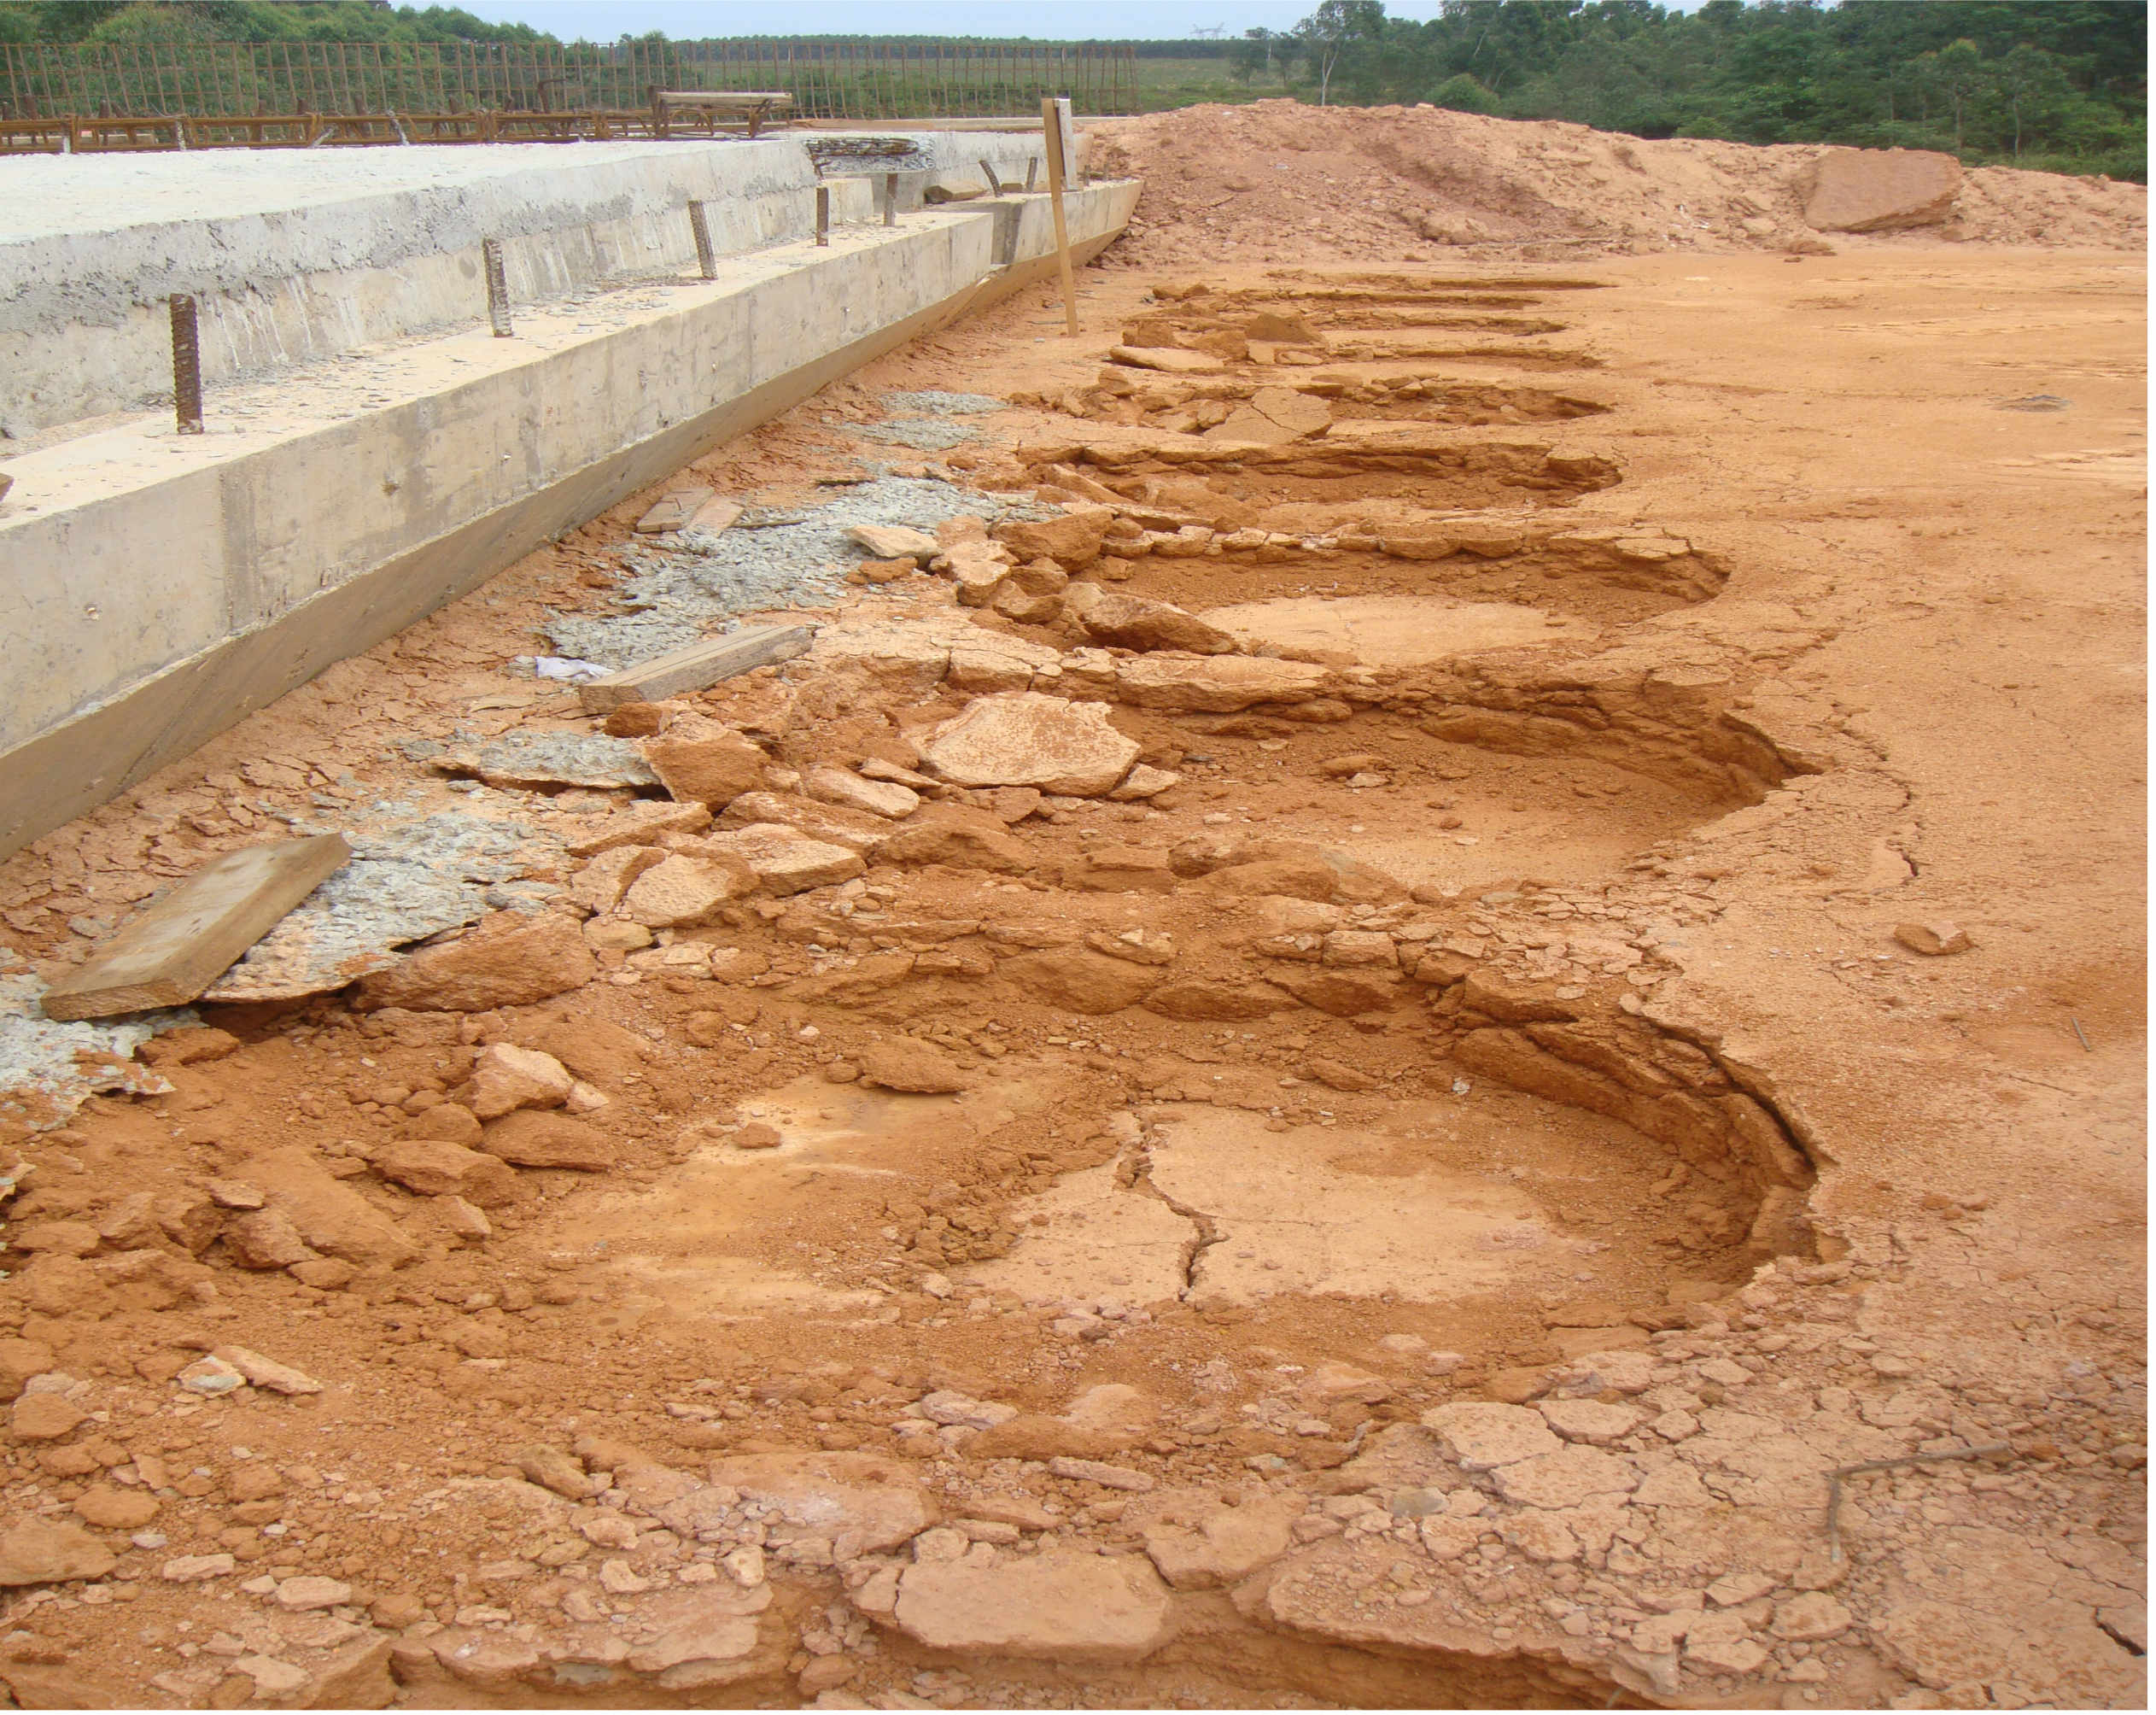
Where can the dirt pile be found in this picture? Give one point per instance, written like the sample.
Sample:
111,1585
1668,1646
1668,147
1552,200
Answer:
1280,182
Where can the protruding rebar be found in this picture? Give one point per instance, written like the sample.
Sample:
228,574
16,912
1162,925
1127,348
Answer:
988,172
497,287
187,364
890,199
823,213
706,262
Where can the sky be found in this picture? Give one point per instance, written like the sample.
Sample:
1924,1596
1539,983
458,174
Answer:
602,21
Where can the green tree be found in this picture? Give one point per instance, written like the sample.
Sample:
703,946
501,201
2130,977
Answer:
2032,89
1336,30
1253,54
1956,74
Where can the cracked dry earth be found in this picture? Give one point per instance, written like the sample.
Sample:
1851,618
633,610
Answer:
1292,1085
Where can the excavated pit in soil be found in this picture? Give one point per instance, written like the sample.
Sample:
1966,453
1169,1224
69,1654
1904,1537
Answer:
1567,1150
1190,404
1484,1143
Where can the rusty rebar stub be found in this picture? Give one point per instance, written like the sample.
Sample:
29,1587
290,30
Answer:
890,199
700,229
823,213
187,364
497,287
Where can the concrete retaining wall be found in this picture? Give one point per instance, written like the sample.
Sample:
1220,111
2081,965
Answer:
157,588
299,255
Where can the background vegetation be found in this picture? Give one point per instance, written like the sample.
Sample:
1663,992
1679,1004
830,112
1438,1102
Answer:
2060,84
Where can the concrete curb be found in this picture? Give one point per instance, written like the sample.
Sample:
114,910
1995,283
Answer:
162,589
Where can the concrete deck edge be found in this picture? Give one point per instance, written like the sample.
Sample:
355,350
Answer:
99,751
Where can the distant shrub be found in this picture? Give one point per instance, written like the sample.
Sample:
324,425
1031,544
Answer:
1462,93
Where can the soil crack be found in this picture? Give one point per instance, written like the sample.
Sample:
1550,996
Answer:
1135,1172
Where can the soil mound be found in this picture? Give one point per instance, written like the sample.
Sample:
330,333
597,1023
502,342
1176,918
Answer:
1277,181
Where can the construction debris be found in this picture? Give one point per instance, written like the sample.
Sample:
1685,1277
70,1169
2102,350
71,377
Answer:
171,952
695,668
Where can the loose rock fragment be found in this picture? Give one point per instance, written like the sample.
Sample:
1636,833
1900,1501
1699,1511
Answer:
44,1417
1026,739
1933,940
1132,622
506,959
530,1139
42,1551
783,861
305,1595
684,891
1876,190
433,1167
912,1066
896,541
267,1239
268,1372
1108,1476
505,1078
878,798
1079,1608
700,761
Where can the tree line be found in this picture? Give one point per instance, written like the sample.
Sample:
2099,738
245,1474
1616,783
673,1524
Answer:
247,21
2060,84
2056,83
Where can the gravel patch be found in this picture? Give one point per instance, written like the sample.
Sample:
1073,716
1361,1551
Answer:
770,561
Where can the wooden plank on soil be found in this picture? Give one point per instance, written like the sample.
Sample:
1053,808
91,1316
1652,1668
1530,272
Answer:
693,668
714,515
170,953
672,510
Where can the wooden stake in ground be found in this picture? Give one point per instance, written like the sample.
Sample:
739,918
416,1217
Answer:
170,953
1056,127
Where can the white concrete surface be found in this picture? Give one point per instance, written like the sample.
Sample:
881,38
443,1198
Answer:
158,588
296,255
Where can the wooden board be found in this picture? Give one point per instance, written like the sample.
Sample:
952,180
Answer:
672,510
1172,359
170,953
693,668
715,515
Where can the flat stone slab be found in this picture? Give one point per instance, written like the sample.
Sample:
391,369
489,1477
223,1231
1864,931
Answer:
1488,1437
1568,1477
1214,684
785,860
1103,1609
1025,739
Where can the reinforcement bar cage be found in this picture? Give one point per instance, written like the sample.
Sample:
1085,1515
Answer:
254,80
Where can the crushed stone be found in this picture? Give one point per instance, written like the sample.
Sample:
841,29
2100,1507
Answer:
924,433
590,759
932,402
49,1069
765,562
407,880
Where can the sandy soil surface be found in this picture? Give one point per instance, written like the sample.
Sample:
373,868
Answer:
1395,1181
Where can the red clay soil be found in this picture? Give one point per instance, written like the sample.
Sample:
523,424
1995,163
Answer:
1630,1002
